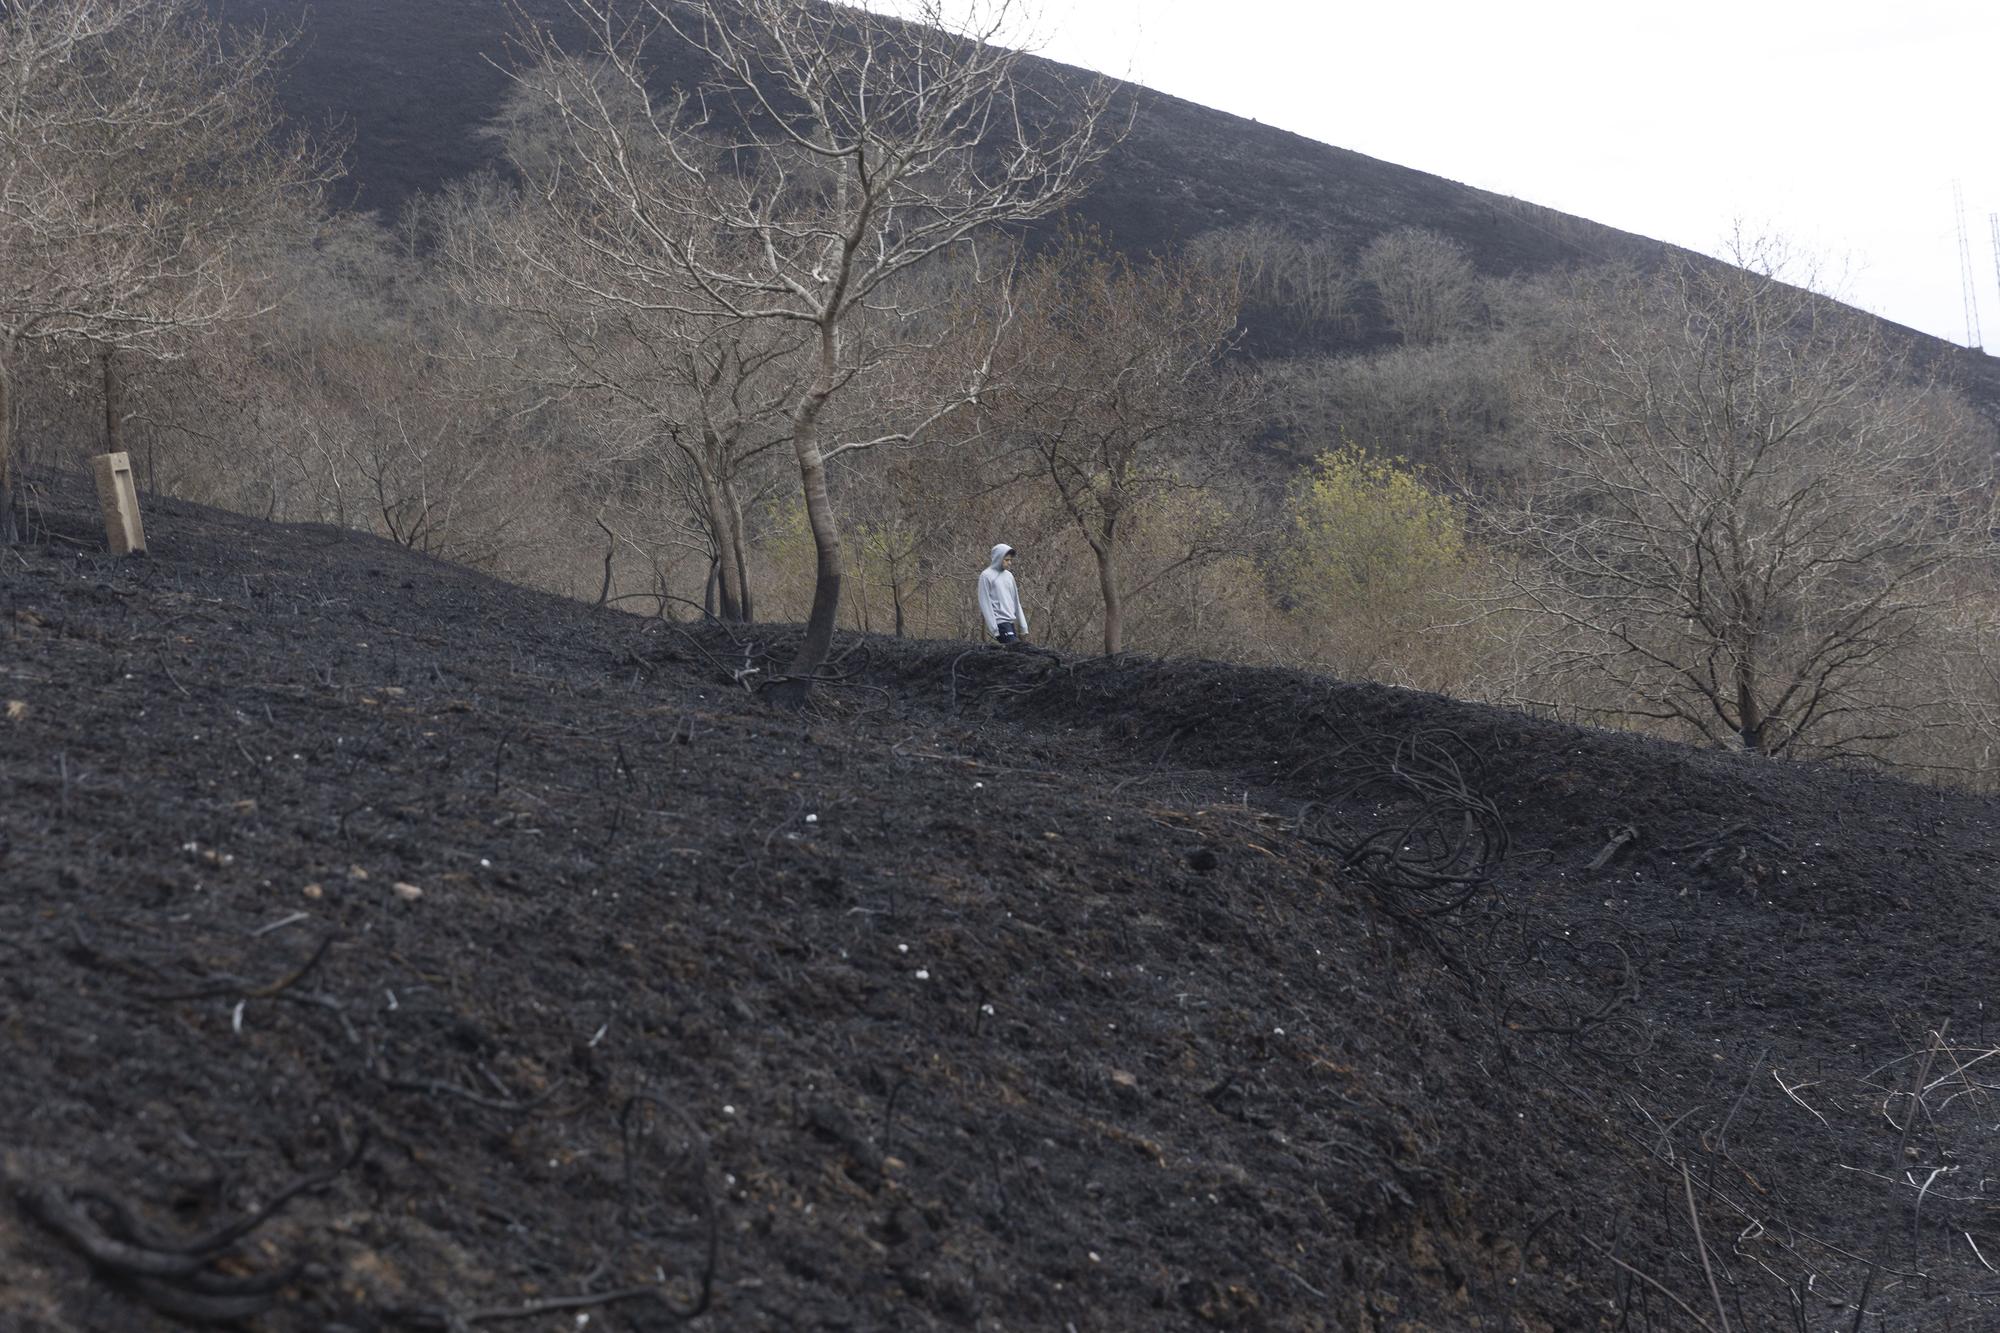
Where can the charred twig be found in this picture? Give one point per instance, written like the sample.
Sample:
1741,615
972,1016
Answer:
713,660
242,990
450,1320
171,679
1625,994
290,919
1694,1217
1902,1146
1651,1282
443,1088
1621,837
798,808
889,1112
1722,1134
1793,1093
1732,831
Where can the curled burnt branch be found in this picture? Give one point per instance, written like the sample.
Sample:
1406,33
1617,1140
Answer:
1438,838
183,1279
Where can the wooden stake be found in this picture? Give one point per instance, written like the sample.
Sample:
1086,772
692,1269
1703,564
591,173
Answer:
118,496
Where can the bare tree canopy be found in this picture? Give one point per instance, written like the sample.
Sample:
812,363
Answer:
1424,281
831,152
138,153
1112,385
1747,513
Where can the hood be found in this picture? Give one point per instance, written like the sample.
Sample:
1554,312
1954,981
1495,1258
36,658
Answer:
999,552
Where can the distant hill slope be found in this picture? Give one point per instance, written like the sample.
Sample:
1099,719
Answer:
414,80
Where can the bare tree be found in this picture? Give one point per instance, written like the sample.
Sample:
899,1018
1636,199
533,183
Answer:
830,152
1114,388
1424,281
704,397
1303,289
1748,514
138,163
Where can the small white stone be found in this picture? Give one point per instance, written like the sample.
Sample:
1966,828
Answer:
812,819
923,974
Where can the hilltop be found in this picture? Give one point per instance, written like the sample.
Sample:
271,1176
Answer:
415,84
387,946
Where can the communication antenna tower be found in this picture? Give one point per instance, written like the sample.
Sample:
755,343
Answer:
1993,225
1972,334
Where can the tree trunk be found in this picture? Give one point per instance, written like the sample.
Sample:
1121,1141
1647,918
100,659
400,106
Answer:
1752,725
725,551
896,597
733,509
1105,548
861,591
9,533
818,643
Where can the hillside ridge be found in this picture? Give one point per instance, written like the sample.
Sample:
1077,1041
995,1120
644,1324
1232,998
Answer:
995,990
416,82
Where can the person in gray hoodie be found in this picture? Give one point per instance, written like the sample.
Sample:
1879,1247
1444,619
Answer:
1000,600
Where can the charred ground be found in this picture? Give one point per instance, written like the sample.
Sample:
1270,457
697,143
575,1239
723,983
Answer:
524,959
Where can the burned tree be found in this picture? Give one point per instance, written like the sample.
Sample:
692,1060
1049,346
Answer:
1113,390
827,153
1747,515
138,156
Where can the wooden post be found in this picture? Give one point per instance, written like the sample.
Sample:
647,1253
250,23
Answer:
118,496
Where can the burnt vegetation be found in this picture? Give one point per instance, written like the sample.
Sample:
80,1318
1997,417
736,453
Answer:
532,844
389,946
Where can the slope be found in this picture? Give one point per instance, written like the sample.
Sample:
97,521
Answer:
385,946
414,85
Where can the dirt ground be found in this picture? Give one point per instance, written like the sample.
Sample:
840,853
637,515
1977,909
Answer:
383,946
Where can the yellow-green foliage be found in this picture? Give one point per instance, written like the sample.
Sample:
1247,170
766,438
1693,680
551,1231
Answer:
1364,530
1368,562
783,563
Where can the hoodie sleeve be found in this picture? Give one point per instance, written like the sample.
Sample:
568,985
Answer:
989,600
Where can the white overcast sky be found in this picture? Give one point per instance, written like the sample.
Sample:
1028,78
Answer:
1840,125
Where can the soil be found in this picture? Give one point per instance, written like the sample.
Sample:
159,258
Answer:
384,946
